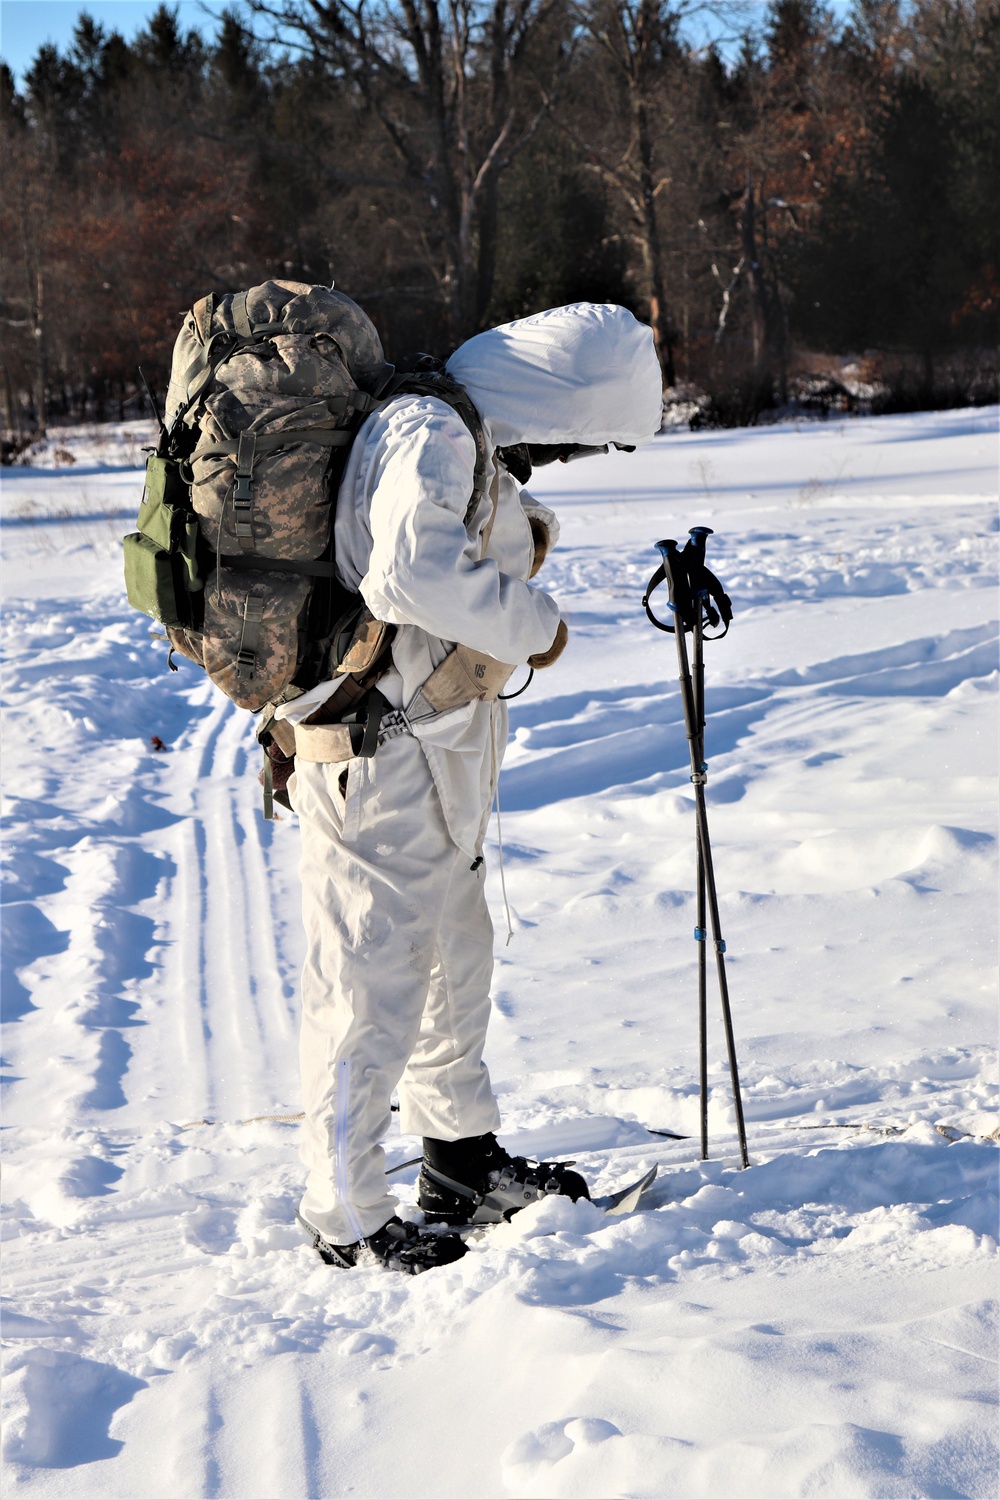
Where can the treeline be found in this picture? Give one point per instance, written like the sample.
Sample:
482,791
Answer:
455,163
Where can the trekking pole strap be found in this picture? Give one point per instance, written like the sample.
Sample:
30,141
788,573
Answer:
693,587
654,583
703,582
706,586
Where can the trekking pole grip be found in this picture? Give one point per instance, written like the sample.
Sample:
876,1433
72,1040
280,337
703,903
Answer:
668,552
666,549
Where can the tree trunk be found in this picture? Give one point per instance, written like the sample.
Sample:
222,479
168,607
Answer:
651,253
758,321
487,208
12,408
488,222
38,322
34,287
447,190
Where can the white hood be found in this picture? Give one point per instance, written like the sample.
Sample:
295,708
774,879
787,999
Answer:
586,373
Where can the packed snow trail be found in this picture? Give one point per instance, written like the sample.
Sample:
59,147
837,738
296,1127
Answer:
820,1324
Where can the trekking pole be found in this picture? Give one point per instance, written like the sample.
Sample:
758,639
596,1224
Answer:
700,923
693,593
699,581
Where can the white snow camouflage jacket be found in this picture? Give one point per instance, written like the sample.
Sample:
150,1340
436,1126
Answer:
586,373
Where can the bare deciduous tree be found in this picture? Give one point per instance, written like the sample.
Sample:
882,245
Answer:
459,89
634,39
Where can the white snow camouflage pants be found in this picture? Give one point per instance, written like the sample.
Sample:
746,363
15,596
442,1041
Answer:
395,989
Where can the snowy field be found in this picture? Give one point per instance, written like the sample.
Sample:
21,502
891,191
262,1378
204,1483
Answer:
818,1325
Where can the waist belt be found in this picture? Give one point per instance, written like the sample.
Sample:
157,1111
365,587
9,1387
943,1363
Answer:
356,719
358,732
393,725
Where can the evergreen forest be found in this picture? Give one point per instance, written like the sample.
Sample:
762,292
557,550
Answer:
806,214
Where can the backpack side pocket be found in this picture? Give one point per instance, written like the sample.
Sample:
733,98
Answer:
162,575
151,581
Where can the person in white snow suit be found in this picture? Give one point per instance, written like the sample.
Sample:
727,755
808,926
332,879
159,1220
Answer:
396,984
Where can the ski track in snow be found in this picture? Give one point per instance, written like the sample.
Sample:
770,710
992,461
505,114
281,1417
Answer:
820,1324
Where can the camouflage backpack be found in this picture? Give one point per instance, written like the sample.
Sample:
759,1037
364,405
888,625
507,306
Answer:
234,551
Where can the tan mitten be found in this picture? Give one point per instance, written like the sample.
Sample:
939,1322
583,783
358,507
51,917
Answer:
542,541
546,658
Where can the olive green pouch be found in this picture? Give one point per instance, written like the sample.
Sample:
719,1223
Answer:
166,516
161,559
152,583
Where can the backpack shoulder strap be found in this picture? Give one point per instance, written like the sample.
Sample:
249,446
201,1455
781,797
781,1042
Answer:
437,382
241,318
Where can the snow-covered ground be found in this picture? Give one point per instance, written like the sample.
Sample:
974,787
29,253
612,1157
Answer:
818,1325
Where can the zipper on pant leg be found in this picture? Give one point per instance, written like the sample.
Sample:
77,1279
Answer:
495,779
350,828
340,1149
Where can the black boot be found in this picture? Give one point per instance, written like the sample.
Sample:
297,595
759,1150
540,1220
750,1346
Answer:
475,1181
399,1246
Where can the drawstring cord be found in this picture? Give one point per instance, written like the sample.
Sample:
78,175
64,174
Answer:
496,803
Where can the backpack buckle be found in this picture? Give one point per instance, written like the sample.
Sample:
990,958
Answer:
243,485
246,656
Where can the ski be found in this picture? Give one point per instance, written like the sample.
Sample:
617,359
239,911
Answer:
621,1202
415,1161
626,1199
